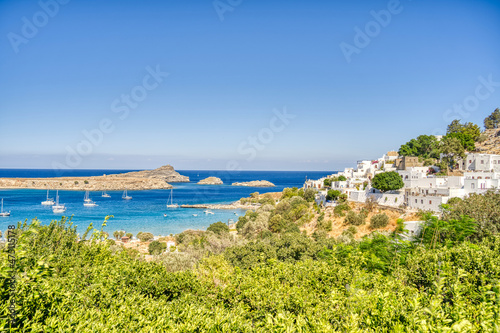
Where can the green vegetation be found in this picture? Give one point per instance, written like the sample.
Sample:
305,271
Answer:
355,219
156,247
270,277
379,221
493,120
145,236
387,181
85,182
218,228
332,195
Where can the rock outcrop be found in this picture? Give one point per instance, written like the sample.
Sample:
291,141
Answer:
256,183
211,181
99,183
138,180
490,143
166,173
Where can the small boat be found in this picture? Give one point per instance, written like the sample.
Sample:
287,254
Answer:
87,201
105,195
165,215
208,212
57,205
172,205
125,196
58,208
87,197
2,213
195,214
89,204
48,201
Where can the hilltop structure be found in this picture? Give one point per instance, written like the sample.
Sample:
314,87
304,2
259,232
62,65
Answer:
423,189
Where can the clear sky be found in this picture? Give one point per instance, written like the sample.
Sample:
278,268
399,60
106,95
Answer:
253,84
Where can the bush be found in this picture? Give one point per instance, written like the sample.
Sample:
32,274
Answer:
156,247
379,221
145,236
218,228
86,182
340,209
310,194
355,219
129,235
387,181
76,182
332,195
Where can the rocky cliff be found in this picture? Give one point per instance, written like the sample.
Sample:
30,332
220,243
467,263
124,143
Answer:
166,173
491,143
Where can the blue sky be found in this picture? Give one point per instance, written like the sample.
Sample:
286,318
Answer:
231,69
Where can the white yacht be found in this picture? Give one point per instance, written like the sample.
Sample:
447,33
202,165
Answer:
208,212
86,198
172,205
57,205
48,201
58,208
105,195
125,196
87,201
2,213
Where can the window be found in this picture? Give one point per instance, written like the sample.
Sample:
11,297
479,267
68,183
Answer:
415,200
472,185
422,201
482,161
430,202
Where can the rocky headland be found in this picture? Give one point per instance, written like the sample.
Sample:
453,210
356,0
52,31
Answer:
211,181
133,181
166,173
255,183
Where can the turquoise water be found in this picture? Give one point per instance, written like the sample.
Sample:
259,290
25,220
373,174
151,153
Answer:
145,212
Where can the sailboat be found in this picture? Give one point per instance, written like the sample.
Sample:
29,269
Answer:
48,201
125,196
58,208
172,205
105,195
86,198
87,201
2,213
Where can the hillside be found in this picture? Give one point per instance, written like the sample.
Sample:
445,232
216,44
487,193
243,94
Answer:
492,143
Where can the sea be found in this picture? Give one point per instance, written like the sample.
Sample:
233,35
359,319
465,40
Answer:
146,211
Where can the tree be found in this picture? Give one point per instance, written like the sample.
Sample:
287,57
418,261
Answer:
129,235
310,194
332,195
452,147
156,247
327,182
116,234
469,129
493,120
466,140
354,219
342,178
218,228
387,181
423,146
145,236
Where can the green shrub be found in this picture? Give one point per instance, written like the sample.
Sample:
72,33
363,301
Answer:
379,221
355,219
218,228
85,181
340,209
156,247
145,236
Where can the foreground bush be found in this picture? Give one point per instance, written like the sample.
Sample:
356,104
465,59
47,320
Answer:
287,282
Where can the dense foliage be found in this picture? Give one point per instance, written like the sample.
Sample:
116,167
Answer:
218,228
493,120
387,181
269,278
